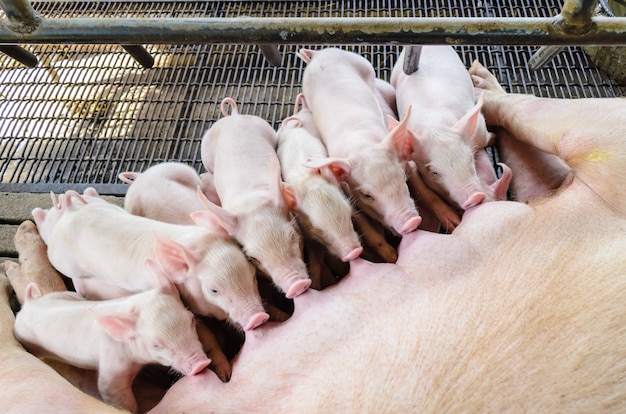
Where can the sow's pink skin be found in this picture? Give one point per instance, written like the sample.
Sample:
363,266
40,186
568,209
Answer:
117,337
339,87
527,300
324,212
524,299
240,152
109,252
448,128
167,192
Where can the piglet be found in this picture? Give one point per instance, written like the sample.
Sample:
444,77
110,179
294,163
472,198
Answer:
450,134
324,212
109,253
240,151
167,192
117,337
340,88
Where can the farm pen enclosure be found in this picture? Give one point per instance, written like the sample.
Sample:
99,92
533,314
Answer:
88,112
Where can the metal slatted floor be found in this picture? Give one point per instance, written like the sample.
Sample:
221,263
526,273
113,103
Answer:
89,112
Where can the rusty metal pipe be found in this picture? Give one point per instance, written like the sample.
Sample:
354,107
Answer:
575,19
319,30
21,16
576,16
140,55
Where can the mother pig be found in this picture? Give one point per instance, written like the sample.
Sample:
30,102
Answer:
521,308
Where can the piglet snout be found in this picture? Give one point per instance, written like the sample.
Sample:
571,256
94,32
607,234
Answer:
411,223
297,288
197,364
353,254
473,200
256,320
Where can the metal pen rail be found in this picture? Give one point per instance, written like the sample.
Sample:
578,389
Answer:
574,25
88,111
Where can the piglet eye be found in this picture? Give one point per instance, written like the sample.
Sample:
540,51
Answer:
368,196
213,290
432,172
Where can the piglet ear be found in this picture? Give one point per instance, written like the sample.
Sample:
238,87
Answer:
466,126
399,138
215,218
119,326
340,167
392,122
209,220
306,54
290,196
164,284
175,259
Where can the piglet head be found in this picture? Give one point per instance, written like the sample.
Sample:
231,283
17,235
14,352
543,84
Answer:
227,280
218,279
156,328
446,158
325,215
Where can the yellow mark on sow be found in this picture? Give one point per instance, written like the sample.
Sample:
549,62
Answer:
597,156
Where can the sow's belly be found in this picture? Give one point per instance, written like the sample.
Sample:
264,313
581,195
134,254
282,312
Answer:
460,323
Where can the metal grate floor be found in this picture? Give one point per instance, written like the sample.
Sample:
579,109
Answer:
89,112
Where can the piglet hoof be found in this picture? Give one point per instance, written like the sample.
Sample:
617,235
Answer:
298,288
27,239
256,320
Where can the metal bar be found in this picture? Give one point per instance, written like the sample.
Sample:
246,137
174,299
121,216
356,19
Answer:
412,56
21,16
140,54
20,54
272,54
542,56
319,30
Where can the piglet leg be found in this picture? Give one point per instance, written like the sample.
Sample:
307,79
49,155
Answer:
115,382
34,265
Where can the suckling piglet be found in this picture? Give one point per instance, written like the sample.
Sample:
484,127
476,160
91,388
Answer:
117,337
167,192
449,130
109,252
240,151
323,211
340,89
